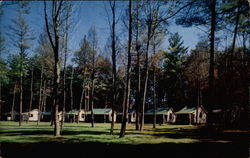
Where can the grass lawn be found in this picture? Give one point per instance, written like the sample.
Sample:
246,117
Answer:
10,132
179,139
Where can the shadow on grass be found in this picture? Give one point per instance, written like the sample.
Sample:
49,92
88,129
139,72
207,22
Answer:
202,133
23,132
179,133
53,149
70,132
50,131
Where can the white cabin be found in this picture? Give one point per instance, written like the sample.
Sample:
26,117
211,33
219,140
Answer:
31,115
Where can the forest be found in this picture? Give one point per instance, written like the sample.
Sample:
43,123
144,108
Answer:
142,65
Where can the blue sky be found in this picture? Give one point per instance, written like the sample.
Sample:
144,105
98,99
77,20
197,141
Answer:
88,14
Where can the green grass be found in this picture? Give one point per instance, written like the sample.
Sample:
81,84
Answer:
10,132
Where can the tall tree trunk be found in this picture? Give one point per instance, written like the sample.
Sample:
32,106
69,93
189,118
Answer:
88,99
52,111
82,97
85,99
41,104
235,34
124,99
64,82
138,100
13,101
64,91
31,90
146,79
92,101
71,89
125,114
56,98
40,95
154,123
81,101
56,84
138,92
197,66
21,91
43,101
65,63
113,68
229,70
198,100
92,89
21,102
211,62
56,10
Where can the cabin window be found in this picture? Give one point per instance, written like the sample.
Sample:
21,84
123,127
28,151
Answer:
82,115
31,115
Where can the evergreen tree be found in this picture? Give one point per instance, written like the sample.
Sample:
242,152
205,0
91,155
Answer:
21,36
174,66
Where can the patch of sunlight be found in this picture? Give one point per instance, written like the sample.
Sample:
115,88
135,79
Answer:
236,131
215,141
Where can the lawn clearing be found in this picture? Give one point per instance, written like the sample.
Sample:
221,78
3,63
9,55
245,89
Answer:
80,139
29,132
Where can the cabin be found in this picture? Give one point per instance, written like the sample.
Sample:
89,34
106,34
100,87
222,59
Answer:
7,116
201,117
131,116
163,115
74,115
233,116
46,116
191,115
31,115
101,115
119,115
171,116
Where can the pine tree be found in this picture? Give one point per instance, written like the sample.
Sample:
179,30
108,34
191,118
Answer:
173,68
21,36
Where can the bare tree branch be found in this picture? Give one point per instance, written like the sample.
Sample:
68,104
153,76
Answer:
47,25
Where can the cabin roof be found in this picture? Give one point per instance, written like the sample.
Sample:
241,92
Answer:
49,112
14,112
74,112
158,111
100,111
46,113
186,110
130,111
30,111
